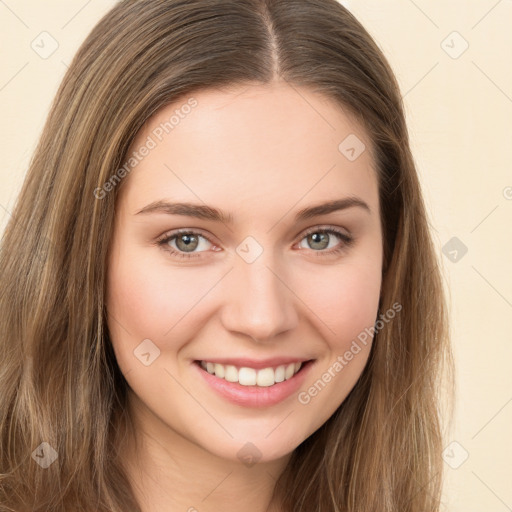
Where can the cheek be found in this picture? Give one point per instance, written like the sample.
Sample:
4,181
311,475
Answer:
150,299
345,301
347,306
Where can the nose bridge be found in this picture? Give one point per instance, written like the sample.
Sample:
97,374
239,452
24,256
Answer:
259,304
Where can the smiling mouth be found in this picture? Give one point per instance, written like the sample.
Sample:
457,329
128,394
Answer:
245,376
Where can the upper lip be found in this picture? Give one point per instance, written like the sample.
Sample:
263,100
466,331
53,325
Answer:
241,362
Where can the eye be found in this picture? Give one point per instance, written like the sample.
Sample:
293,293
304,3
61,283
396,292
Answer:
183,243
319,239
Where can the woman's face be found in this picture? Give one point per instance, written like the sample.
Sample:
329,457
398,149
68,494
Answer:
254,287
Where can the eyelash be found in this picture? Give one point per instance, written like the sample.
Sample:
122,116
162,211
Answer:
163,241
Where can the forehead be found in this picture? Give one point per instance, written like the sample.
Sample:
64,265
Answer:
250,146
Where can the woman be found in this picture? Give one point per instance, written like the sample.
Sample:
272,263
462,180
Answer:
219,288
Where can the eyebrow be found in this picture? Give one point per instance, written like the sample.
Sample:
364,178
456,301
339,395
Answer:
206,212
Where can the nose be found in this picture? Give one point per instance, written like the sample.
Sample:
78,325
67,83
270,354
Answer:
259,302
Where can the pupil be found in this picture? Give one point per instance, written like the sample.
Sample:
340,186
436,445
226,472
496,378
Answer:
186,242
319,238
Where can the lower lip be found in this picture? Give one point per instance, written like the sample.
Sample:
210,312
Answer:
255,396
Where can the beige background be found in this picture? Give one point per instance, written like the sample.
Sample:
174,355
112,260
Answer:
459,107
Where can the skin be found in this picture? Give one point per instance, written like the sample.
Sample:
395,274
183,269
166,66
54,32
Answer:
261,153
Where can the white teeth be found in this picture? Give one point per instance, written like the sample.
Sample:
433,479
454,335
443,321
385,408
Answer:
219,370
279,374
265,377
290,369
249,376
230,373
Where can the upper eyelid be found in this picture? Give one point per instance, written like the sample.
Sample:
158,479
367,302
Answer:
169,235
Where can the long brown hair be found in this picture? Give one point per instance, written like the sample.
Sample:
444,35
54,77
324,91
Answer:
59,381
